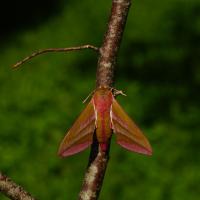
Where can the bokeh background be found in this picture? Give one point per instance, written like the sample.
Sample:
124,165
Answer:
158,69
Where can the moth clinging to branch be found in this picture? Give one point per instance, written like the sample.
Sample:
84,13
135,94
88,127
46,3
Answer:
103,115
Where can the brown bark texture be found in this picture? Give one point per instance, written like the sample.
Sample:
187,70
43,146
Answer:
111,42
13,190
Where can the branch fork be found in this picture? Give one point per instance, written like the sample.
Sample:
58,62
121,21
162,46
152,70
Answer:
98,160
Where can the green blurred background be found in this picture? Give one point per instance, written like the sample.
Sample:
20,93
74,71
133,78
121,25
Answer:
158,69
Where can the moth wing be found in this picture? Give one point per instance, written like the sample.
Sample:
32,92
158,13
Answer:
128,134
80,136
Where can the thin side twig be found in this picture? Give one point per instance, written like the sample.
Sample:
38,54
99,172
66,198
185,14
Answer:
13,190
37,53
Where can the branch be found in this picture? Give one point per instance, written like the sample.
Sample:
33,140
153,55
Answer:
111,43
94,177
98,160
18,64
12,190
96,169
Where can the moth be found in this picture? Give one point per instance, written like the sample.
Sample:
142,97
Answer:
105,116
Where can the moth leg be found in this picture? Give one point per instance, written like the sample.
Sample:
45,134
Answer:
118,92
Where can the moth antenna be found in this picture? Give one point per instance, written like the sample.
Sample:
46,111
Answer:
91,93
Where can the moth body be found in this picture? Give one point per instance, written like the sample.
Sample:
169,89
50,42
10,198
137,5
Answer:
102,101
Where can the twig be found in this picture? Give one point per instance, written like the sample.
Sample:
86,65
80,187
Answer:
12,190
98,160
18,64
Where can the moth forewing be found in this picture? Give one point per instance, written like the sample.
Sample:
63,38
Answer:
80,136
129,136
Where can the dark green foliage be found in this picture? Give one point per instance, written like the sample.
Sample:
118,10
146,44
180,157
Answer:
158,68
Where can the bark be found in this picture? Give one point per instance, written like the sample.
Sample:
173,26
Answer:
13,190
111,42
